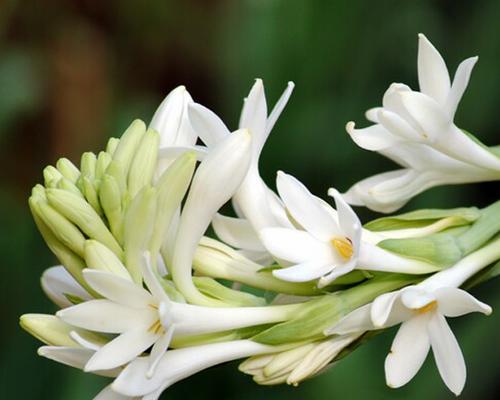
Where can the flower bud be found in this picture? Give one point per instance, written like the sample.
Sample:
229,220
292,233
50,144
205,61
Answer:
98,256
143,164
68,169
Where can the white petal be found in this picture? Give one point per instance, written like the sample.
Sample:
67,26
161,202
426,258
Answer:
295,246
254,116
170,119
279,106
398,127
151,280
106,316
170,153
433,76
392,100
459,85
415,298
84,342
374,138
429,115
372,114
336,272
447,353
73,357
237,232
214,183
57,282
348,220
159,349
387,310
453,302
358,320
305,208
303,272
121,350
178,364
207,125
408,351
109,394
117,289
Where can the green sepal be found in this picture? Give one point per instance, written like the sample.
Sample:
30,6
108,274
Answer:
236,298
421,218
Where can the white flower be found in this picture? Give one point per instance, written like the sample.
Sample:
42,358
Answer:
179,364
171,122
416,130
256,205
328,243
143,318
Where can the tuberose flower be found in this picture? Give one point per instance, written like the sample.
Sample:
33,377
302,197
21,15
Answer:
416,130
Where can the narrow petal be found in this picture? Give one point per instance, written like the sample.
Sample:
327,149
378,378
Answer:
73,357
398,127
106,316
121,350
57,283
336,272
358,320
433,76
178,364
295,246
305,208
117,289
387,310
374,138
214,183
237,232
254,116
303,272
172,152
348,220
279,107
207,125
151,280
408,352
459,85
454,302
372,114
447,353
159,349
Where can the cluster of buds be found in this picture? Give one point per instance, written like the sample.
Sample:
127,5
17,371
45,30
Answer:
289,283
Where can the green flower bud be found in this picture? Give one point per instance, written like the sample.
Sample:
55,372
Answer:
143,164
87,165
90,192
68,169
236,298
66,184
112,145
98,256
111,203
84,216
51,176
129,142
103,161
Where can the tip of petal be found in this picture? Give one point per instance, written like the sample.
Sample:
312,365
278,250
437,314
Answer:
349,127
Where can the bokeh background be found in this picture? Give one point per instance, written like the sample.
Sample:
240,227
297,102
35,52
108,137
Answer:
73,73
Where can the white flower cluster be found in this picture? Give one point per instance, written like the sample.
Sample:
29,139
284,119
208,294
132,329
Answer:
140,286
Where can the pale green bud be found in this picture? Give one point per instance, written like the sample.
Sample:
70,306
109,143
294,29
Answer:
144,162
84,216
66,184
235,298
87,165
67,233
172,186
103,161
68,169
111,203
139,221
112,145
115,169
98,256
129,142
90,192
53,331
72,262
51,176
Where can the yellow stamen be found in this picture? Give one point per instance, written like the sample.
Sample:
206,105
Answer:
156,327
429,307
344,247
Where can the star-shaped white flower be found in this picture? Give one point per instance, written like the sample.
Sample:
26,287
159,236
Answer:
416,130
327,247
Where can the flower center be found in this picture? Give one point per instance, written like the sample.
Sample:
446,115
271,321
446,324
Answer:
428,307
343,247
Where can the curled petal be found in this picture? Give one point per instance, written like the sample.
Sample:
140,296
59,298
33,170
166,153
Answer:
57,283
454,302
375,137
459,85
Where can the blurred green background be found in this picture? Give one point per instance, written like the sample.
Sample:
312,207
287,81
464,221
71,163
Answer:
73,73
